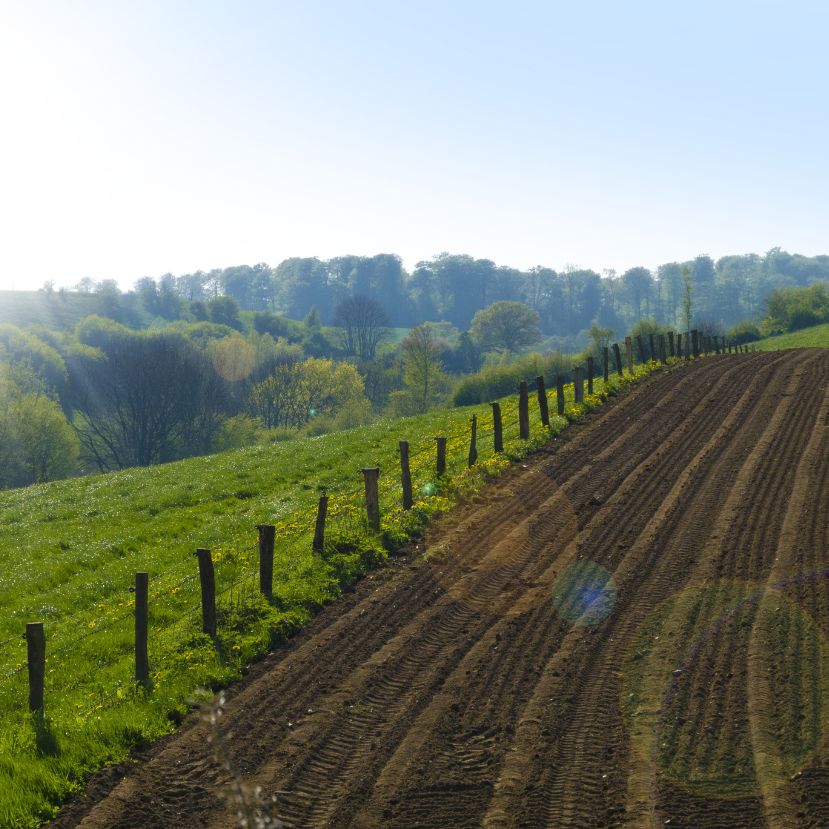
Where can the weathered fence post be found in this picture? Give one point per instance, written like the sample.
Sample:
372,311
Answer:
207,578
523,411
617,356
318,544
142,601
605,363
590,375
440,466
473,442
372,475
640,347
653,347
687,345
497,428
671,351
679,345
405,475
36,657
695,342
543,407
560,394
578,384
663,358
267,535
629,354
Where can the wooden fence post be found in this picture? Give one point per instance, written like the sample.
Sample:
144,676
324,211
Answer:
695,342
605,364
207,577
497,428
617,356
679,345
473,442
578,384
440,466
687,345
142,600
662,356
653,347
372,475
640,347
629,354
590,375
560,395
523,411
406,475
318,544
267,536
541,391
36,656
671,351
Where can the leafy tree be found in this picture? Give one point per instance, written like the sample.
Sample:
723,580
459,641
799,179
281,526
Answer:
47,444
638,282
422,371
234,358
224,310
506,325
687,297
297,391
789,309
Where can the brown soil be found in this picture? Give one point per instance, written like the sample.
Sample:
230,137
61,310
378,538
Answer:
500,680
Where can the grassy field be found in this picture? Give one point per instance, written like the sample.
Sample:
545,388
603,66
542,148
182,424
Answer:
69,551
815,337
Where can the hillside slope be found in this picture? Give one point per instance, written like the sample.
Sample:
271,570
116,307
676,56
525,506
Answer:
817,336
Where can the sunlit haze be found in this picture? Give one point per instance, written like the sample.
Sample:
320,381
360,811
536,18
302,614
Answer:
144,137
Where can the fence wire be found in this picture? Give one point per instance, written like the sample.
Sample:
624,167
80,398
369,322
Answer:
236,558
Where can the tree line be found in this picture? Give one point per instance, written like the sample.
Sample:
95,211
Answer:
453,287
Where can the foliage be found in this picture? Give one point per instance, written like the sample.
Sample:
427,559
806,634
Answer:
422,372
744,332
296,391
493,382
37,443
506,325
790,309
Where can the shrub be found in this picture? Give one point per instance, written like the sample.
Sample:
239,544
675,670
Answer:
745,332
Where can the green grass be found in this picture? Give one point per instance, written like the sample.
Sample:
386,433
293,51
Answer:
69,551
815,337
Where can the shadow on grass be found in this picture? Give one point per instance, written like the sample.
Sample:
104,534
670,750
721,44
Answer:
45,739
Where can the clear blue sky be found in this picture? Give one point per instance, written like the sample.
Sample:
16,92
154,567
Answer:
143,137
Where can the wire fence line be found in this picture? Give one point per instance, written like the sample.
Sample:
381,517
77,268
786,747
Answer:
235,560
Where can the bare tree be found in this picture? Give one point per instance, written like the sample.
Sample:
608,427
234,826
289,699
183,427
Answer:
364,324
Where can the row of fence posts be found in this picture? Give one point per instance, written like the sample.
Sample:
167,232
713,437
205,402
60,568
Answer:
695,346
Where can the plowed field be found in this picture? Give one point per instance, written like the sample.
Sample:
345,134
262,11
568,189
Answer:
629,631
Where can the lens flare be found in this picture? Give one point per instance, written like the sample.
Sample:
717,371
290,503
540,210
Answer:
584,593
